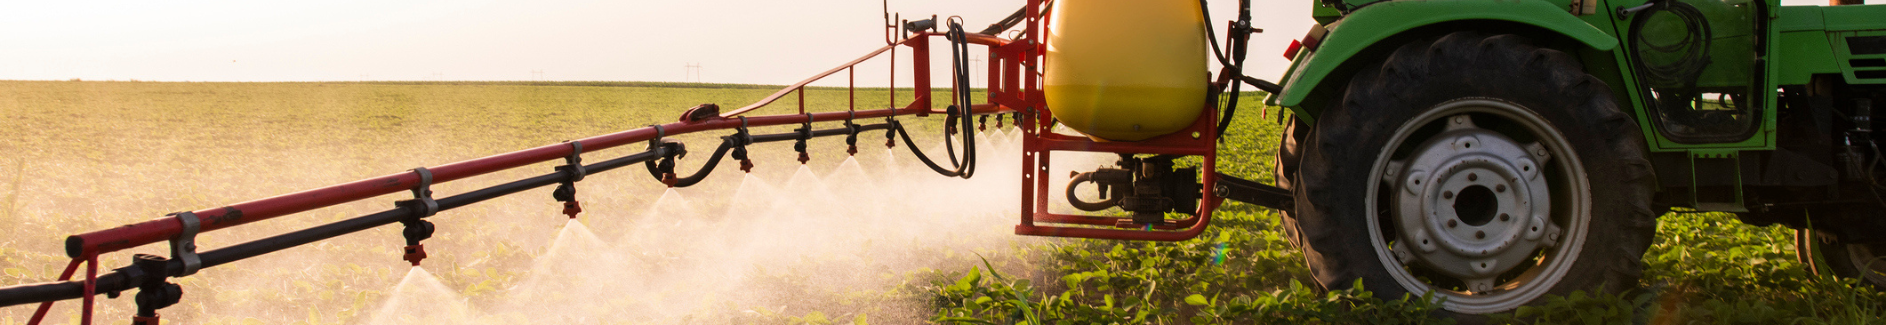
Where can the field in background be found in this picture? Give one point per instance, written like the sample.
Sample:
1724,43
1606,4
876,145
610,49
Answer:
82,156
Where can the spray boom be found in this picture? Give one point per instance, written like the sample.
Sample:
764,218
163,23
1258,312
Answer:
1147,182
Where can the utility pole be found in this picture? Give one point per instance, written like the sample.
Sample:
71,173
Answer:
973,63
693,71
537,75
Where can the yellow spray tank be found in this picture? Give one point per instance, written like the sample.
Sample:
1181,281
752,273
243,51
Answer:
1126,70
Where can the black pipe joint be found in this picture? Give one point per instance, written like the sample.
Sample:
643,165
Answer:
890,133
417,230
851,139
565,192
154,292
949,123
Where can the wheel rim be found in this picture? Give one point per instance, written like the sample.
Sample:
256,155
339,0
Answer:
1484,220
1872,267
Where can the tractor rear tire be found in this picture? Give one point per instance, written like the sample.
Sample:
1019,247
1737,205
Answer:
1478,104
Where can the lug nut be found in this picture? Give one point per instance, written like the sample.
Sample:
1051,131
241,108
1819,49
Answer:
1499,188
1480,235
1447,195
1504,217
1473,177
1452,223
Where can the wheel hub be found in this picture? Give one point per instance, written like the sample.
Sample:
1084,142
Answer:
1471,203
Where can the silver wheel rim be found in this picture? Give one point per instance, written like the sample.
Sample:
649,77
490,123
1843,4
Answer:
1499,221
1872,267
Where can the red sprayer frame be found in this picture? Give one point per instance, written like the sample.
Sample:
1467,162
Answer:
87,247
1014,86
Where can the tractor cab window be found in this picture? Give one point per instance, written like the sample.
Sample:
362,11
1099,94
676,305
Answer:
1696,60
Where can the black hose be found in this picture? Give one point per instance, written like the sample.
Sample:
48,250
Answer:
1236,53
712,161
1108,201
958,171
729,143
964,167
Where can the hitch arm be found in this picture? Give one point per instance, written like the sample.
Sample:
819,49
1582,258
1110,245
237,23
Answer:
1249,191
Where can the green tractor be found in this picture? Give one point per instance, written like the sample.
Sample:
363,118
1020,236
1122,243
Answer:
1498,151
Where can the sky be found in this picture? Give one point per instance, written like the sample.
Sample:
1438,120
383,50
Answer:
732,41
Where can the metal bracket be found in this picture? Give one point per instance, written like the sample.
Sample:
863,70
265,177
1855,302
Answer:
183,247
655,142
422,204
574,162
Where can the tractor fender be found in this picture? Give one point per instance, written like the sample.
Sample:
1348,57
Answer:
1383,21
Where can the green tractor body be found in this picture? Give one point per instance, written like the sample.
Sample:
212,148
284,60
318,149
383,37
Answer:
1751,108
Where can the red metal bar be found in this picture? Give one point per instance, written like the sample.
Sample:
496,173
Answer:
893,101
851,88
1059,142
782,92
919,46
91,289
920,73
1108,221
1020,59
40,314
161,229
1182,142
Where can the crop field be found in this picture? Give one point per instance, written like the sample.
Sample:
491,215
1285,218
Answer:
83,156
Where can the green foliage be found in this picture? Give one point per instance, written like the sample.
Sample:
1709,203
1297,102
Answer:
1703,268
1120,282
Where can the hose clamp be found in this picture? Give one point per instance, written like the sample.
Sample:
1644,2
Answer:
422,204
183,246
574,162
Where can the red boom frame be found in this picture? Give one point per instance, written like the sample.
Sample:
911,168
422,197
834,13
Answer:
1014,86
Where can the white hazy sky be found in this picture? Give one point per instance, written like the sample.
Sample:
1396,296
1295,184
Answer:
734,41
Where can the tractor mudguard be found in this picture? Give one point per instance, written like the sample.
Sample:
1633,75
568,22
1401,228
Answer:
1382,21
